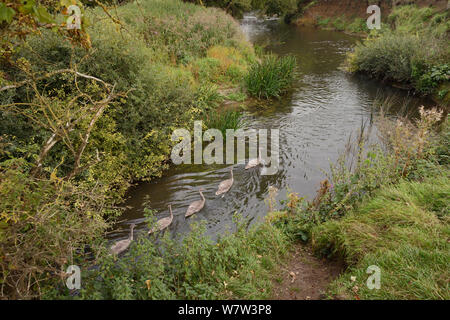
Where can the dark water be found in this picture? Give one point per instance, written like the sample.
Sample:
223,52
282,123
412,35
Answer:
315,121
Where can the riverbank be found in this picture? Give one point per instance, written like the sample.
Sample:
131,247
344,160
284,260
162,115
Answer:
399,53
91,111
390,214
76,139
87,113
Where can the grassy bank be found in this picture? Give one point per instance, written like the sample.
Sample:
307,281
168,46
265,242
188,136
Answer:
411,50
390,212
403,229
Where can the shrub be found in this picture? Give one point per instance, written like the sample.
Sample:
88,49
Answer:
237,266
415,52
358,25
271,77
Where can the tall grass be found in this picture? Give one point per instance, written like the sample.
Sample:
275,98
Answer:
223,120
403,230
271,77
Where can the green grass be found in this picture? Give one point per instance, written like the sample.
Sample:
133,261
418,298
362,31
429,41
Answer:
404,230
323,22
223,120
271,77
358,25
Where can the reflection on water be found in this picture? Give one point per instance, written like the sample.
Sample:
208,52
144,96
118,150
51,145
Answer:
315,121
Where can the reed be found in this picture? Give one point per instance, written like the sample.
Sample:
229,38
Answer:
271,77
227,119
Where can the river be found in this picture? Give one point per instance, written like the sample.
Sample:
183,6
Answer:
315,121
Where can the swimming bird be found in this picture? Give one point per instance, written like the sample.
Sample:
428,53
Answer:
225,185
196,206
254,162
163,223
122,245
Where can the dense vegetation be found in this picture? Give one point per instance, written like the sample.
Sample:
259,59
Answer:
271,77
86,112
414,51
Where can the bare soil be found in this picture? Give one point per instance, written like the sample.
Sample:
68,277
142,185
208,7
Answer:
304,276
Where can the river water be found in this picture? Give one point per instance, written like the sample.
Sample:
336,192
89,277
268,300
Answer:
315,121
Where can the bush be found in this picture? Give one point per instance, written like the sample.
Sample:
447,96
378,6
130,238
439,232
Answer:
226,65
44,226
415,52
238,266
271,77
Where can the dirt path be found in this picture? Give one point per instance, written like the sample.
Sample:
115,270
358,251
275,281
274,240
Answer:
304,277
